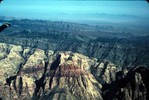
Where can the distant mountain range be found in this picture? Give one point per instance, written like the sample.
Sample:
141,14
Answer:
95,18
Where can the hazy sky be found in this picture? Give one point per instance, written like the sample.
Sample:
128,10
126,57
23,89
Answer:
66,10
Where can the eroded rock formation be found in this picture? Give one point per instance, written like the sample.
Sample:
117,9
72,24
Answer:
31,73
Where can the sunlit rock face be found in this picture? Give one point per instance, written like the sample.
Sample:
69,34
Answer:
73,75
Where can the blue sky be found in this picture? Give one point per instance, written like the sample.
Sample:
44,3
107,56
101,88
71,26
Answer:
70,10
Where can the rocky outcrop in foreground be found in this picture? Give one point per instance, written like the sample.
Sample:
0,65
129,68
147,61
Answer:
36,74
30,73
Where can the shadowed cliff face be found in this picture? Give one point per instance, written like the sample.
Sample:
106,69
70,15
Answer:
132,87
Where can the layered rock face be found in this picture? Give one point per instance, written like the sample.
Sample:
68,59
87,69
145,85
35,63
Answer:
73,77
